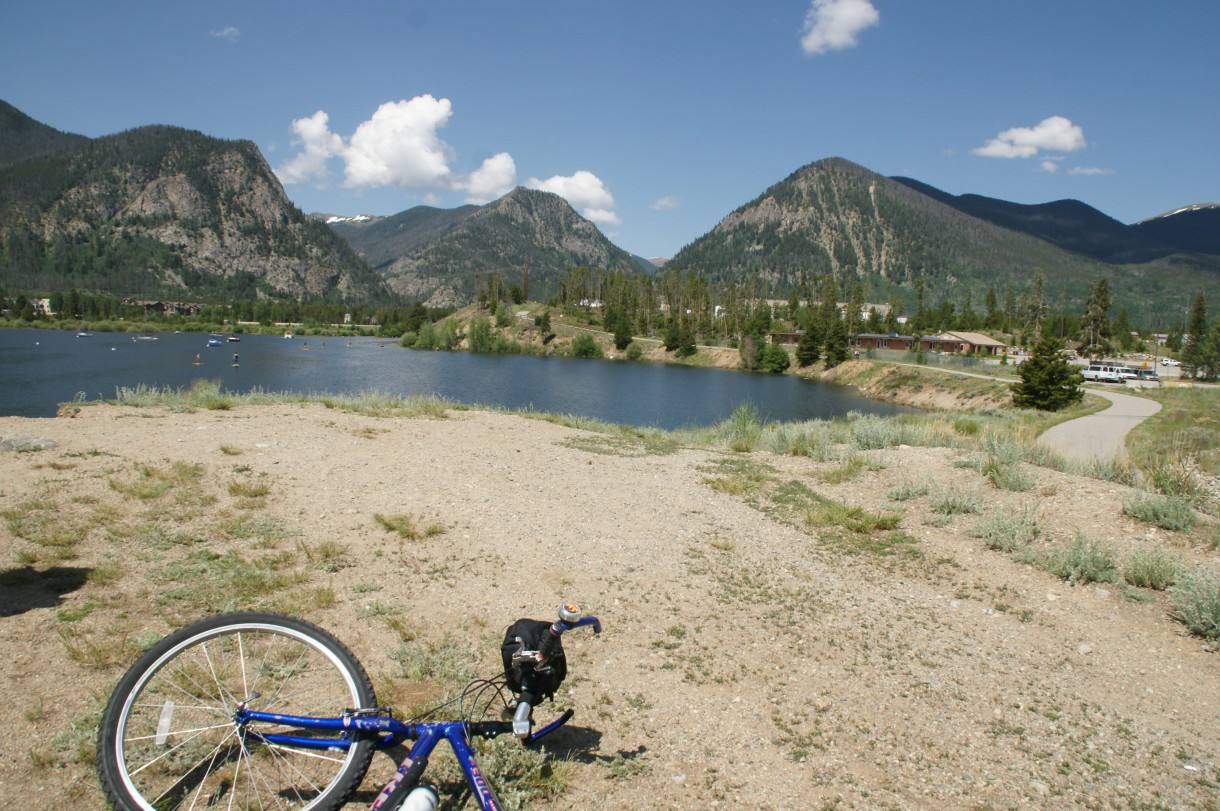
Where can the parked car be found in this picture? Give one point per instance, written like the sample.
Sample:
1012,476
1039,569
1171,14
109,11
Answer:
1148,375
1125,373
1169,362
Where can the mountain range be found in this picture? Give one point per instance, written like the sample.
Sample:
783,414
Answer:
896,235
163,211
439,254
160,211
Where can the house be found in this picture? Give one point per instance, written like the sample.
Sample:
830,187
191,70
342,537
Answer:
965,343
872,340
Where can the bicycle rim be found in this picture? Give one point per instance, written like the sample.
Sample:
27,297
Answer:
178,746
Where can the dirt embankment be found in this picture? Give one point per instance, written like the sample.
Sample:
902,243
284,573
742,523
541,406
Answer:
756,654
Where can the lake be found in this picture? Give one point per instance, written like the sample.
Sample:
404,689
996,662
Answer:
42,368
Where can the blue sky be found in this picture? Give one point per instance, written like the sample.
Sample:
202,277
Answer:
655,118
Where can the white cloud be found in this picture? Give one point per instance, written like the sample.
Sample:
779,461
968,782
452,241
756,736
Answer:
1090,171
1054,133
399,146
585,191
318,145
667,203
1049,166
229,32
495,178
832,25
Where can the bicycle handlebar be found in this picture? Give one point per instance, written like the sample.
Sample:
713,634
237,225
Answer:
570,616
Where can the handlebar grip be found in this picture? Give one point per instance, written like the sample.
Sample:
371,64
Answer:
550,641
521,718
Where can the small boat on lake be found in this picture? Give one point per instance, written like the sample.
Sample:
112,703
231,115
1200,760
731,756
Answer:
148,336
233,339
214,342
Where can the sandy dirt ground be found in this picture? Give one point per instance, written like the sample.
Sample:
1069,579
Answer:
750,659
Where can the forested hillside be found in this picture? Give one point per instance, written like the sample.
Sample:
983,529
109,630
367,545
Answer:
448,257
161,211
836,218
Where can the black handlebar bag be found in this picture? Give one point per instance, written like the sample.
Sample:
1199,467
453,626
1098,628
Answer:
527,634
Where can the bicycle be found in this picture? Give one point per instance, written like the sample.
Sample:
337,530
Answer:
262,711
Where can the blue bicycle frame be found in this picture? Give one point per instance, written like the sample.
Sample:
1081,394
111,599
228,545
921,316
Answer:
390,731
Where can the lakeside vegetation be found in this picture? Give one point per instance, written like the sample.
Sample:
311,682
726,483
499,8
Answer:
1160,454
1162,467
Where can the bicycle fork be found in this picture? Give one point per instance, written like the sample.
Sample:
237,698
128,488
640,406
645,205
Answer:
412,768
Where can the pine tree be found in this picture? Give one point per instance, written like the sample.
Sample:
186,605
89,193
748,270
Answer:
994,319
809,348
1196,334
1048,381
1122,330
855,303
774,358
1209,354
1095,326
836,344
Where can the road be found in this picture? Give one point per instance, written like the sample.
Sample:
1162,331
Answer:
1096,435
1101,434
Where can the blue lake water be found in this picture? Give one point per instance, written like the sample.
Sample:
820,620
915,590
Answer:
41,368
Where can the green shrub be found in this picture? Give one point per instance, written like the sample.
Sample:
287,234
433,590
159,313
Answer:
1175,478
1006,531
1167,512
742,430
908,489
1195,598
478,334
966,426
634,352
773,358
873,433
1081,562
585,345
954,501
426,337
1008,476
845,471
1151,569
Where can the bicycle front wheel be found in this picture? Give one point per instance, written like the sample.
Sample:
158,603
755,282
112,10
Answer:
168,738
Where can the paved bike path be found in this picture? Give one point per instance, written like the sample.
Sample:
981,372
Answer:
1101,434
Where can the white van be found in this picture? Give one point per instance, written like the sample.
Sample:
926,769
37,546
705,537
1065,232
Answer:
1102,373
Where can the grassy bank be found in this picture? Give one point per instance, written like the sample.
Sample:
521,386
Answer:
1183,433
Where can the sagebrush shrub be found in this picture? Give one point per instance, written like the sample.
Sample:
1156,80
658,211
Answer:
1196,602
1151,569
1081,562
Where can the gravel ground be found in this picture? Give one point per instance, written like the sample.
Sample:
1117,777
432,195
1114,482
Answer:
750,658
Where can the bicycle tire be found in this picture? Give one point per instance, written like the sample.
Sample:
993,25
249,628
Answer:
167,738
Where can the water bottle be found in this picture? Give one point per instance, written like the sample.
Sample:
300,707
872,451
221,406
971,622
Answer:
421,798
